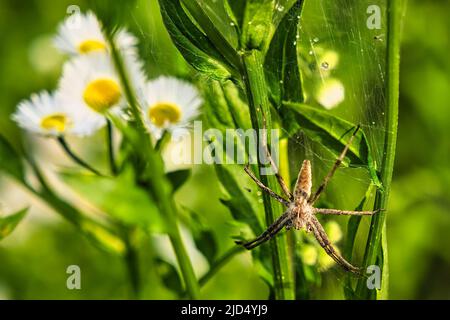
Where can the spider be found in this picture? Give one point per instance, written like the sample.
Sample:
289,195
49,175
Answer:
301,212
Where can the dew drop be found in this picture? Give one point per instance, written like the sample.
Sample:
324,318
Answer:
325,65
281,81
373,122
297,36
378,37
311,52
294,43
315,40
232,24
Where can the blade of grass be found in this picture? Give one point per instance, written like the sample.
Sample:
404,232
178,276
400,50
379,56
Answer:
377,235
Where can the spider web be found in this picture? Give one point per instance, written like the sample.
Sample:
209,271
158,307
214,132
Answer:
335,42
335,45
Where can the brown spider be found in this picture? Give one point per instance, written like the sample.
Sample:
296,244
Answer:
301,212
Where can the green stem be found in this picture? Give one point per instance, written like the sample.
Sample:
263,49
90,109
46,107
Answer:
256,88
162,142
110,144
85,224
132,262
219,264
377,234
75,158
160,189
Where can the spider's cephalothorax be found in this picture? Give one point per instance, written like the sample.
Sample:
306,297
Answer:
301,212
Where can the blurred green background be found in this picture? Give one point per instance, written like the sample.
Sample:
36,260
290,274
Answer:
34,259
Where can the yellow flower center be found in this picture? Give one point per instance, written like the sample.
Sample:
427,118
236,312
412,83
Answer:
91,45
102,94
164,112
55,122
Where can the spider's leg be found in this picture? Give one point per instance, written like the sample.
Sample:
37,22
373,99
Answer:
272,230
280,179
325,243
334,168
265,188
345,212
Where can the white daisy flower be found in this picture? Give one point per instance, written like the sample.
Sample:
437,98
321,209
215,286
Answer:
44,114
168,104
90,84
81,34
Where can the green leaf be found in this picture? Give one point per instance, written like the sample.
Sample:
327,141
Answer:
169,275
352,230
281,63
198,11
119,198
261,20
225,107
178,178
203,235
9,223
282,8
257,27
236,105
206,243
195,47
282,69
383,293
10,161
241,201
101,235
334,133
216,110
235,10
